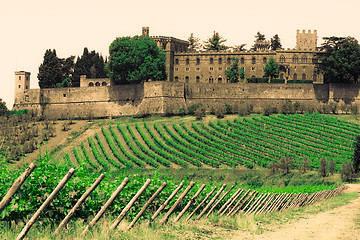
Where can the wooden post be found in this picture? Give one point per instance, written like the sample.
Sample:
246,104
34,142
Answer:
250,201
45,204
266,205
171,210
106,205
229,200
256,202
15,187
79,202
129,205
222,197
239,204
238,194
166,202
201,203
277,200
211,202
192,200
260,203
146,205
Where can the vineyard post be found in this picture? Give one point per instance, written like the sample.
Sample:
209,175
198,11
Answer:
79,202
45,204
15,187
302,200
228,201
201,203
250,202
294,201
129,205
228,204
268,202
222,197
107,204
147,205
191,201
255,203
288,201
211,202
171,210
166,202
260,203
275,202
281,201
239,203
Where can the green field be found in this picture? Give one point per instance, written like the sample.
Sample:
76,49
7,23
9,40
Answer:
241,142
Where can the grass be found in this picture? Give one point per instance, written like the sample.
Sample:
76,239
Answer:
214,227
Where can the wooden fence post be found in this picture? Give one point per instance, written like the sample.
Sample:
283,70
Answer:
211,202
231,201
146,205
239,203
129,205
45,204
166,202
171,210
15,187
78,204
106,205
222,197
201,203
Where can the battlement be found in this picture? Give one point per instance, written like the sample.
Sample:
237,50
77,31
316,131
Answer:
306,40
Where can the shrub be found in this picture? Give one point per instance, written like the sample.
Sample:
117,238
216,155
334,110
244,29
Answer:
219,111
287,107
304,165
347,172
323,171
200,113
332,165
193,108
182,111
243,109
269,109
354,109
228,109
333,107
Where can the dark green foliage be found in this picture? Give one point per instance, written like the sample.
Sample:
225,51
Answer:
300,81
65,83
194,43
234,72
271,69
340,60
275,43
354,109
135,59
243,109
215,43
270,109
228,109
287,107
50,70
323,169
356,156
182,111
91,64
277,80
347,172
199,113
285,164
192,108
3,108
219,111
332,165
259,36
257,80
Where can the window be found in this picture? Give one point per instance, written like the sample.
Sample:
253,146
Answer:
91,84
315,60
304,76
295,59
176,79
187,79
187,69
211,68
103,84
26,98
242,60
314,77
295,76
282,59
253,60
211,60
197,61
219,80
187,61
211,80
19,77
252,68
197,69
220,60
228,61
220,68
264,60
97,84
64,95
176,61
26,87
281,75
27,78
197,79
304,59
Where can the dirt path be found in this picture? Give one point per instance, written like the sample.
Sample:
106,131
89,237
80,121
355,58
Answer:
339,223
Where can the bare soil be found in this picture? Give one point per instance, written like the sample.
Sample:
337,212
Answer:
339,223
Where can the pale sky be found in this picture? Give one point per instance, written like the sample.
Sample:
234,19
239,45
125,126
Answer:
28,28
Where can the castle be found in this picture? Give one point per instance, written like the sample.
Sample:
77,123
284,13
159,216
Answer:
193,77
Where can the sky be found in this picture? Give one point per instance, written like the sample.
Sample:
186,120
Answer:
28,28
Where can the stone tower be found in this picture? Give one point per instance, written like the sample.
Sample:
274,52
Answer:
306,40
145,31
22,84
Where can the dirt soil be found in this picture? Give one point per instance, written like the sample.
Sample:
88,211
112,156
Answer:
339,223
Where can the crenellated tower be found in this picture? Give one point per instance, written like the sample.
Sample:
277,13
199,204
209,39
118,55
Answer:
306,40
22,85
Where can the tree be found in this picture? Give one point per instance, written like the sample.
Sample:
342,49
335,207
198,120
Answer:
3,108
234,72
239,48
91,64
271,69
259,37
356,156
323,170
50,72
215,43
135,59
242,74
194,43
340,60
275,43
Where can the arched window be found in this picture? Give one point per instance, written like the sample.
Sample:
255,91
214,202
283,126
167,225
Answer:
304,76
315,60
242,60
97,84
176,61
220,60
187,79
295,76
295,59
228,60
176,79
197,79
219,80
91,84
211,80
187,61
103,84
197,61
281,75
282,59
304,59
264,60
314,77
211,60
253,60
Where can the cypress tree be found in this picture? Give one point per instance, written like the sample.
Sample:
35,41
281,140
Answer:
356,156
50,72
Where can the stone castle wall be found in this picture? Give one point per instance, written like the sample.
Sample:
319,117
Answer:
169,97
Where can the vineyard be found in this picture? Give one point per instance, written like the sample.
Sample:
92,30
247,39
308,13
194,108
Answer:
242,142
